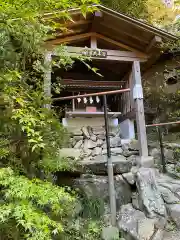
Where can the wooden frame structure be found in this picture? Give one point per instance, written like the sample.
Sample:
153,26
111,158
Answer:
109,36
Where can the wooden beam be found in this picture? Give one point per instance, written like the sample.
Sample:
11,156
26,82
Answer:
65,40
76,23
120,31
139,107
96,35
113,55
155,42
90,83
119,44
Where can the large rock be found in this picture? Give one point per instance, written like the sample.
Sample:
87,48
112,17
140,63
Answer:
134,224
98,165
97,151
172,235
168,196
168,154
98,187
168,182
174,212
150,199
70,153
156,154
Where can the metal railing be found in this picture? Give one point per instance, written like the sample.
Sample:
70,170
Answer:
160,138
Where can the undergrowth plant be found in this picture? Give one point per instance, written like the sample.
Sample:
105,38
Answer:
31,205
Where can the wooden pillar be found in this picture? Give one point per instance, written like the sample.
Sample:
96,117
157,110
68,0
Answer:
139,108
47,77
93,42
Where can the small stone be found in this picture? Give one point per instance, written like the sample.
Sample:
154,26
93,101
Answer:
97,151
88,153
116,151
101,136
104,152
78,144
85,132
89,144
133,159
99,142
78,138
104,146
77,132
115,142
99,131
128,153
135,200
129,177
130,145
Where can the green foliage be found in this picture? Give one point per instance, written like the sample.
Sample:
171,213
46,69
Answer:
37,207
152,11
130,7
30,133
86,229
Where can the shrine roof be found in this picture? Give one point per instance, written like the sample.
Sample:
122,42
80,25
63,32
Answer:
107,23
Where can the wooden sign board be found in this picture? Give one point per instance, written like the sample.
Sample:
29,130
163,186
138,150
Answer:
94,53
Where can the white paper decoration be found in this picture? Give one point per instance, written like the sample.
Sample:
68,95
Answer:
97,99
91,100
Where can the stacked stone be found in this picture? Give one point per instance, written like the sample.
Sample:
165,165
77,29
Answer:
90,143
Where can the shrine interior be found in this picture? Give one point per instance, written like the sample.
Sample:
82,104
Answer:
79,80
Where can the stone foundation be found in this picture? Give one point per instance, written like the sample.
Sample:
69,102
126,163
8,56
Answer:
147,201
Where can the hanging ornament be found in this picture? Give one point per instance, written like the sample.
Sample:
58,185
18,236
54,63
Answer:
91,100
97,99
79,99
85,100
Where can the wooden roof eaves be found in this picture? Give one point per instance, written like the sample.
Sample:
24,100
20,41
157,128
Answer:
139,23
134,21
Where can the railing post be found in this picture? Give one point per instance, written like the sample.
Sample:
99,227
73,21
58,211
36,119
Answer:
112,193
161,148
47,77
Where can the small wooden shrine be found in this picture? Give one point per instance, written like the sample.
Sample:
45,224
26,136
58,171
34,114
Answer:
122,49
